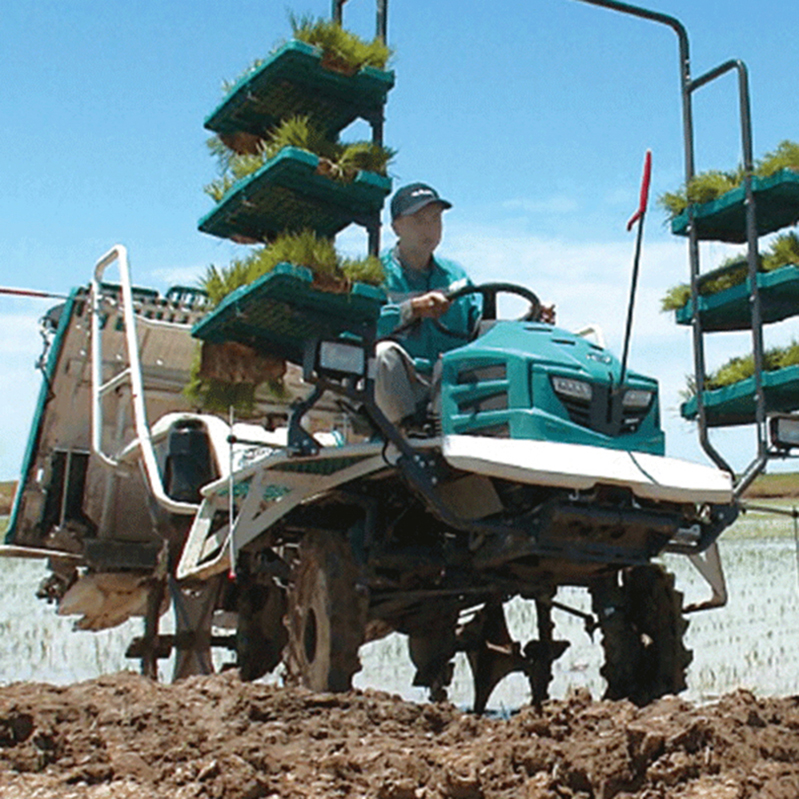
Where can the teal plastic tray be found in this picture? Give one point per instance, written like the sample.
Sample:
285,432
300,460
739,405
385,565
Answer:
724,219
735,404
293,81
730,309
287,194
281,311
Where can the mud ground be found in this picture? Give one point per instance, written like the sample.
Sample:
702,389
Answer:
122,736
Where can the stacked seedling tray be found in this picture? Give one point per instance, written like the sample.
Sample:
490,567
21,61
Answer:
724,219
730,309
281,311
291,192
288,194
296,80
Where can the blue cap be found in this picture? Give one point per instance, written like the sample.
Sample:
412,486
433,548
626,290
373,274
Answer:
413,197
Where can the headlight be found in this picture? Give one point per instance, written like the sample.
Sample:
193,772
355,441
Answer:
637,398
569,387
339,358
784,430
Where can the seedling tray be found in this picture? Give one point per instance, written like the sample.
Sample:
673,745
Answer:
286,193
281,311
730,309
294,81
724,219
735,404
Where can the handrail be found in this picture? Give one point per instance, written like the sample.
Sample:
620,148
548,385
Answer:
132,373
688,86
382,16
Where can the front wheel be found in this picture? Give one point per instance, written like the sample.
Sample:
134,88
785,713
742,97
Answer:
642,634
327,614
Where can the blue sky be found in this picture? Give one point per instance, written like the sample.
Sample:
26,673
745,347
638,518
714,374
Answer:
533,119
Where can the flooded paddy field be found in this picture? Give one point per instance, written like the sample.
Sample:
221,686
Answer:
752,643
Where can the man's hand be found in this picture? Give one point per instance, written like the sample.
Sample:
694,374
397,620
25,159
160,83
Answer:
547,314
432,305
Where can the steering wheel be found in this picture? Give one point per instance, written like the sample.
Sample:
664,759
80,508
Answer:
489,293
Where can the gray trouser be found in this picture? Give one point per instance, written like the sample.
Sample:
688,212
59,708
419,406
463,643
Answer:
399,388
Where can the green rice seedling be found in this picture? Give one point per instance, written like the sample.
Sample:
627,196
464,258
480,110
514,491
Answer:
241,166
229,85
218,283
676,297
365,155
342,47
232,167
732,272
786,156
296,131
673,202
299,131
733,371
221,152
244,165
364,270
784,251
709,186
741,367
301,249
702,188
307,249
218,188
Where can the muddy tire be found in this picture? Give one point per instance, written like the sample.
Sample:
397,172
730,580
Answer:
327,614
642,635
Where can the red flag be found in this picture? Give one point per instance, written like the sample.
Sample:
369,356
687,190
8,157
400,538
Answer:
642,202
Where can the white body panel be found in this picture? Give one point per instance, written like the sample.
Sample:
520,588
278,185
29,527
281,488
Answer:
581,467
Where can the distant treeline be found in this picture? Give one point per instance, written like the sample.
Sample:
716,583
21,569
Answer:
774,486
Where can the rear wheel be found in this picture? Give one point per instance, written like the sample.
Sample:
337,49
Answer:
642,630
327,614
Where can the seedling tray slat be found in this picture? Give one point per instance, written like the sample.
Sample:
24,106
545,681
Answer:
735,404
286,193
724,219
293,81
730,309
281,311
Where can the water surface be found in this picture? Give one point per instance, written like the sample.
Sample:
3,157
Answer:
752,642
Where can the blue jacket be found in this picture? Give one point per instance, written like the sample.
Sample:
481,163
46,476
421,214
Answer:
423,341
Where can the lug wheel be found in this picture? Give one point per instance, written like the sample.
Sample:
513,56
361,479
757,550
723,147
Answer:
327,614
642,630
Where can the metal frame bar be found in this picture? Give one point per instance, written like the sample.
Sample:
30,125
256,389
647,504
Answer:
688,86
131,374
376,120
